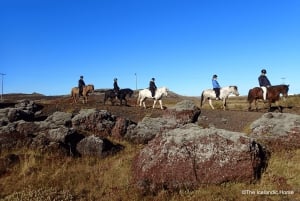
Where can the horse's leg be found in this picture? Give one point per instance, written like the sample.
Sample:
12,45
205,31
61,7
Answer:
160,103
224,104
154,102
249,104
256,105
74,98
144,104
278,106
269,104
210,103
202,102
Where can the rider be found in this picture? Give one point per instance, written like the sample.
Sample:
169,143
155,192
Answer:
216,86
81,84
116,86
152,87
264,83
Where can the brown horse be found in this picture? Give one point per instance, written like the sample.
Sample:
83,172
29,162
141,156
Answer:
273,95
85,92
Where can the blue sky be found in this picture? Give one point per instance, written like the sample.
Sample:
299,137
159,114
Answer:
46,45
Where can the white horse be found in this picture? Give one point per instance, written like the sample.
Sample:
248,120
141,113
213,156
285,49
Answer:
146,93
224,93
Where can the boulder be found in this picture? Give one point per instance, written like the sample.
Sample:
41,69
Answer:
277,130
148,128
120,128
99,122
189,156
184,112
56,120
97,147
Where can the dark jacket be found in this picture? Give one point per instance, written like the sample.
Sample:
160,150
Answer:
116,87
263,81
152,85
81,83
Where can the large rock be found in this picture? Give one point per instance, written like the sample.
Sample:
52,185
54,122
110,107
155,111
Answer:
60,132
189,156
95,146
277,130
93,120
148,128
101,123
184,112
56,120
23,110
121,127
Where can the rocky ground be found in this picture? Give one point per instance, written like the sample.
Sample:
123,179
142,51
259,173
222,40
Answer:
234,119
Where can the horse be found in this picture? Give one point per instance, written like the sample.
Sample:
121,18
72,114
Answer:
85,92
224,93
273,95
146,93
110,94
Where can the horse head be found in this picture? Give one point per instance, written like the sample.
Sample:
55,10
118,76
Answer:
130,93
90,88
234,90
285,90
164,91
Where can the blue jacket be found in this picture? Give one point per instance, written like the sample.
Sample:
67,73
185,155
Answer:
215,84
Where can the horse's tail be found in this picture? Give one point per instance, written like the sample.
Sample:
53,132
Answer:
249,98
202,98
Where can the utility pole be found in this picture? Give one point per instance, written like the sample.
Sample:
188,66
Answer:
135,81
2,74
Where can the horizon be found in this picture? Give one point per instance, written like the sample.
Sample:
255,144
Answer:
45,46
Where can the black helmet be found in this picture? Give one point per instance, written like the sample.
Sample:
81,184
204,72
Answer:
115,79
264,71
153,79
215,76
81,76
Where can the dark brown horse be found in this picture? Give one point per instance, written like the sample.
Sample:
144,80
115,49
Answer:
110,94
273,95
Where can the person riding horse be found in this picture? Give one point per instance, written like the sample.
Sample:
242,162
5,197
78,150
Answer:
152,87
81,84
216,86
264,83
116,86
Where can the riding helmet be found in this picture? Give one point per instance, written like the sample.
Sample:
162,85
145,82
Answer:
215,76
153,79
264,71
81,77
115,79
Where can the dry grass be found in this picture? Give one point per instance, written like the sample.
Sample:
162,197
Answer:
49,177
52,177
